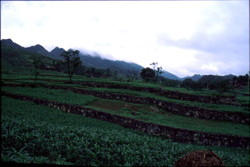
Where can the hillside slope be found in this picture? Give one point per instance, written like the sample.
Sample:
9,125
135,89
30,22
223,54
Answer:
16,55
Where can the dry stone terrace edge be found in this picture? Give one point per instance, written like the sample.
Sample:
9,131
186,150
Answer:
178,109
228,100
166,93
178,135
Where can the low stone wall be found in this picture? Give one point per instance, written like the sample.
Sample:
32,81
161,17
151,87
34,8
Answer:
174,108
179,135
229,100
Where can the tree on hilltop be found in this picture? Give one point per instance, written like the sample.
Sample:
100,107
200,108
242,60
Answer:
72,61
147,74
158,70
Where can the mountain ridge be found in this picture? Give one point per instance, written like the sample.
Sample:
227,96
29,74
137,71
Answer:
56,52
10,43
94,60
38,49
195,77
88,60
169,75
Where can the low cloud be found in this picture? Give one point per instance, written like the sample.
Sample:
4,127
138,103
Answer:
187,37
221,41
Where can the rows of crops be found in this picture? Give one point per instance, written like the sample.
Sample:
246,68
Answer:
210,106
60,77
34,134
38,134
99,86
162,117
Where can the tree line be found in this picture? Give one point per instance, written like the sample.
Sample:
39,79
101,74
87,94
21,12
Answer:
220,83
72,64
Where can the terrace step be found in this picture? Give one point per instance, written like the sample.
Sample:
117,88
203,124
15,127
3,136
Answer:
227,100
174,108
176,134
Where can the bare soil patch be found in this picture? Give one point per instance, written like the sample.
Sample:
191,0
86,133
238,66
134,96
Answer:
200,158
107,105
119,106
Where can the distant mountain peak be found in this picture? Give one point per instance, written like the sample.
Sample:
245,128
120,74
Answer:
56,52
38,49
70,50
56,49
10,43
195,77
7,40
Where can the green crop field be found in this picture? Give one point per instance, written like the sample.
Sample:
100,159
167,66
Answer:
59,81
152,84
33,133
142,113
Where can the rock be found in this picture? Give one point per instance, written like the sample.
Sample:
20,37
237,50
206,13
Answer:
200,158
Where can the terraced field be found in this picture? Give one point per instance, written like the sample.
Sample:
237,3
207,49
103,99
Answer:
118,123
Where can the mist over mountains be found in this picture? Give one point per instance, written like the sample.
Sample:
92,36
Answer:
95,60
89,60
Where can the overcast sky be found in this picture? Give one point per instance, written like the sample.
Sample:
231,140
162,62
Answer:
184,37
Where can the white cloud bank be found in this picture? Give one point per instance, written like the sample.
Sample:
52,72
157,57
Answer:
184,37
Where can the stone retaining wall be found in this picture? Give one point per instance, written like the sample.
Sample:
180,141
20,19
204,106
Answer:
228,100
179,135
174,108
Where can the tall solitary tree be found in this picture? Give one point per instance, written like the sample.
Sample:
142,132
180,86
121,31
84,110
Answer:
147,74
72,61
37,65
158,70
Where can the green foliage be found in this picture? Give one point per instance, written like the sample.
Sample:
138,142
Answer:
38,134
132,75
169,82
54,95
19,58
221,84
147,74
72,61
37,65
224,86
189,83
158,70
241,81
155,115
32,134
145,113
216,107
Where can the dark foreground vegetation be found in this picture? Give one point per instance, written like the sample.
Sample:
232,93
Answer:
56,116
32,133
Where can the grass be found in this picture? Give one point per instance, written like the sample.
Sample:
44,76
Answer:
155,115
216,107
145,114
53,95
137,83
32,134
